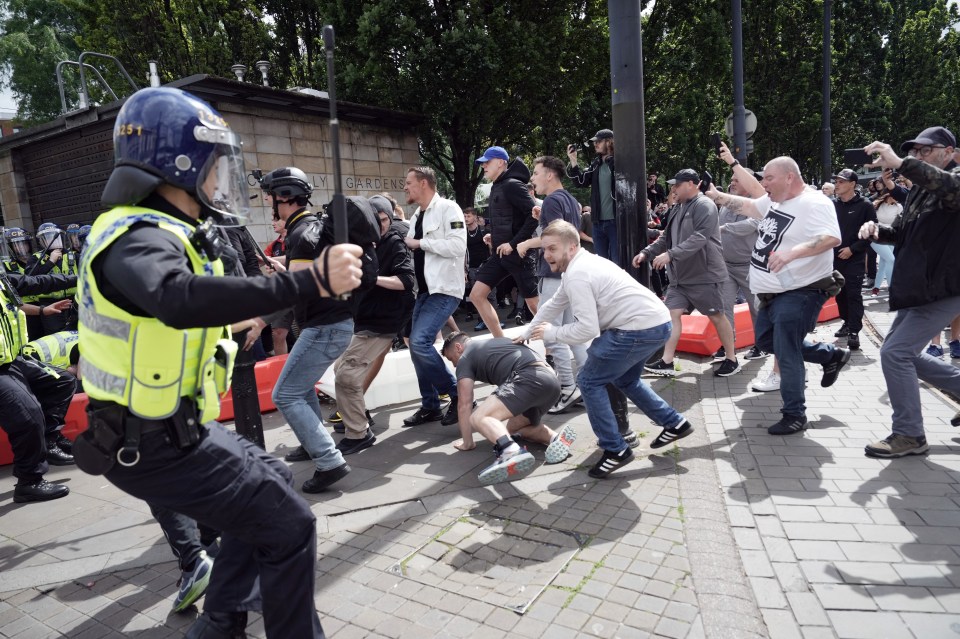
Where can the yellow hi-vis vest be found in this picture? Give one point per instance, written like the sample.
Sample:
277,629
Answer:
53,349
13,327
139,362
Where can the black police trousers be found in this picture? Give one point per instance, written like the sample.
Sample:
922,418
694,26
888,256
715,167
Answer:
268,545
33,402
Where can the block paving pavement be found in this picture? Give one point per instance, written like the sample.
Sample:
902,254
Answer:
734,533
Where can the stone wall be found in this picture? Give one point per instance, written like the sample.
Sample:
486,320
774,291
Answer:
373,158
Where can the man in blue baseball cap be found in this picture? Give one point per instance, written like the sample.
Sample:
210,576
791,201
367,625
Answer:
509,214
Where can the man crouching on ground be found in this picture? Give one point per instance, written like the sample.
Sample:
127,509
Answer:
526,389
627,324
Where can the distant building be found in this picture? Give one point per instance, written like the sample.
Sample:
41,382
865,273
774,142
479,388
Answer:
8,123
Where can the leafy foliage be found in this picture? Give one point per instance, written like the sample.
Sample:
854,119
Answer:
532,75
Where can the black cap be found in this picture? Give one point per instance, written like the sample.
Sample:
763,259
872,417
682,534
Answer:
846,174
685,175
602,134
934,136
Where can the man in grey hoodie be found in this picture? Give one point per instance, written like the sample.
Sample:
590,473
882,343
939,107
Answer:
690,250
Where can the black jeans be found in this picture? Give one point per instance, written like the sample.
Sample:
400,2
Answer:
33,402
850,299
269,544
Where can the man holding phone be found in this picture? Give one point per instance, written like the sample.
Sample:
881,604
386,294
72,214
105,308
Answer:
926,282
601,179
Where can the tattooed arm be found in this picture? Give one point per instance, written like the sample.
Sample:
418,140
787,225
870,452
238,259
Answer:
734,203
814,246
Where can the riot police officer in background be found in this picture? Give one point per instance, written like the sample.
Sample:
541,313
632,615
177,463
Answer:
52,257
33,397
155,354
20,247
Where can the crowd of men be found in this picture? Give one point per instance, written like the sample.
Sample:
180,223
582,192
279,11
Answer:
164,279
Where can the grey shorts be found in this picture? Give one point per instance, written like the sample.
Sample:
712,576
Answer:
706,298
285,322
531,392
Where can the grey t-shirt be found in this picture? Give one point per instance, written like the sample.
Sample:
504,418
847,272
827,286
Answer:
608,209
494,360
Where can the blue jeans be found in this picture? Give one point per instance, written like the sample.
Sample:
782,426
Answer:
295,395
430,312
605,240
781,329
617,357
885,262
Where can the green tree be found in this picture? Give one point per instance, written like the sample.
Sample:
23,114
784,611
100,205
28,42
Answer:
481,72
687,82
923,69
34,36
185,36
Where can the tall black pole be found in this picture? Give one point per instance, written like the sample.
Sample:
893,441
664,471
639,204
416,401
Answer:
739,112
626,79
825,131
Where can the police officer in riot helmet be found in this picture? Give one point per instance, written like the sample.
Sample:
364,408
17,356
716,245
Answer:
82,234
155,355
51,257
19,246
35,397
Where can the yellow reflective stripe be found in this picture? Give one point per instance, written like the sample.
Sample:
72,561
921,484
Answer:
109,326
47,355
113,384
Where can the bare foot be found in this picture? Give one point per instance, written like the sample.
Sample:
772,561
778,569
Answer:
460,445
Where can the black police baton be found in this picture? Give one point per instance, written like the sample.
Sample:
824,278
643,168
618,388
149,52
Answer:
339,202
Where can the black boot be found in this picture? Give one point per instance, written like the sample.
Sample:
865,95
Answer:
57,457
219,625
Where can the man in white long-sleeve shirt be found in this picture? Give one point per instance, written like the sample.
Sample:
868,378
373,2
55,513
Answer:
627,324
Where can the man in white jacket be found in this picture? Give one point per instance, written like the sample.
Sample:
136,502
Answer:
627,324
438,239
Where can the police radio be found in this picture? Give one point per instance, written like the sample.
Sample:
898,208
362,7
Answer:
208,240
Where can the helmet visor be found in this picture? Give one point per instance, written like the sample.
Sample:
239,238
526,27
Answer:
75,243
50,238
20,247
222,182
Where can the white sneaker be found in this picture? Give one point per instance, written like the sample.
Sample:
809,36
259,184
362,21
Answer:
569,395
771,383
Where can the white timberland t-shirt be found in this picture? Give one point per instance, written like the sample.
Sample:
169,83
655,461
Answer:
785,225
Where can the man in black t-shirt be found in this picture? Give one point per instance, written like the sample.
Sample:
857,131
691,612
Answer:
526,389
326,325
477,253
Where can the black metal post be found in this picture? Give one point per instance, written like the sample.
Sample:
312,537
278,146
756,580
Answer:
626,80
825,155
246,402
339,202
739,112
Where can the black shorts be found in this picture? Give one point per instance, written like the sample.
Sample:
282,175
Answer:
530,391
496,269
